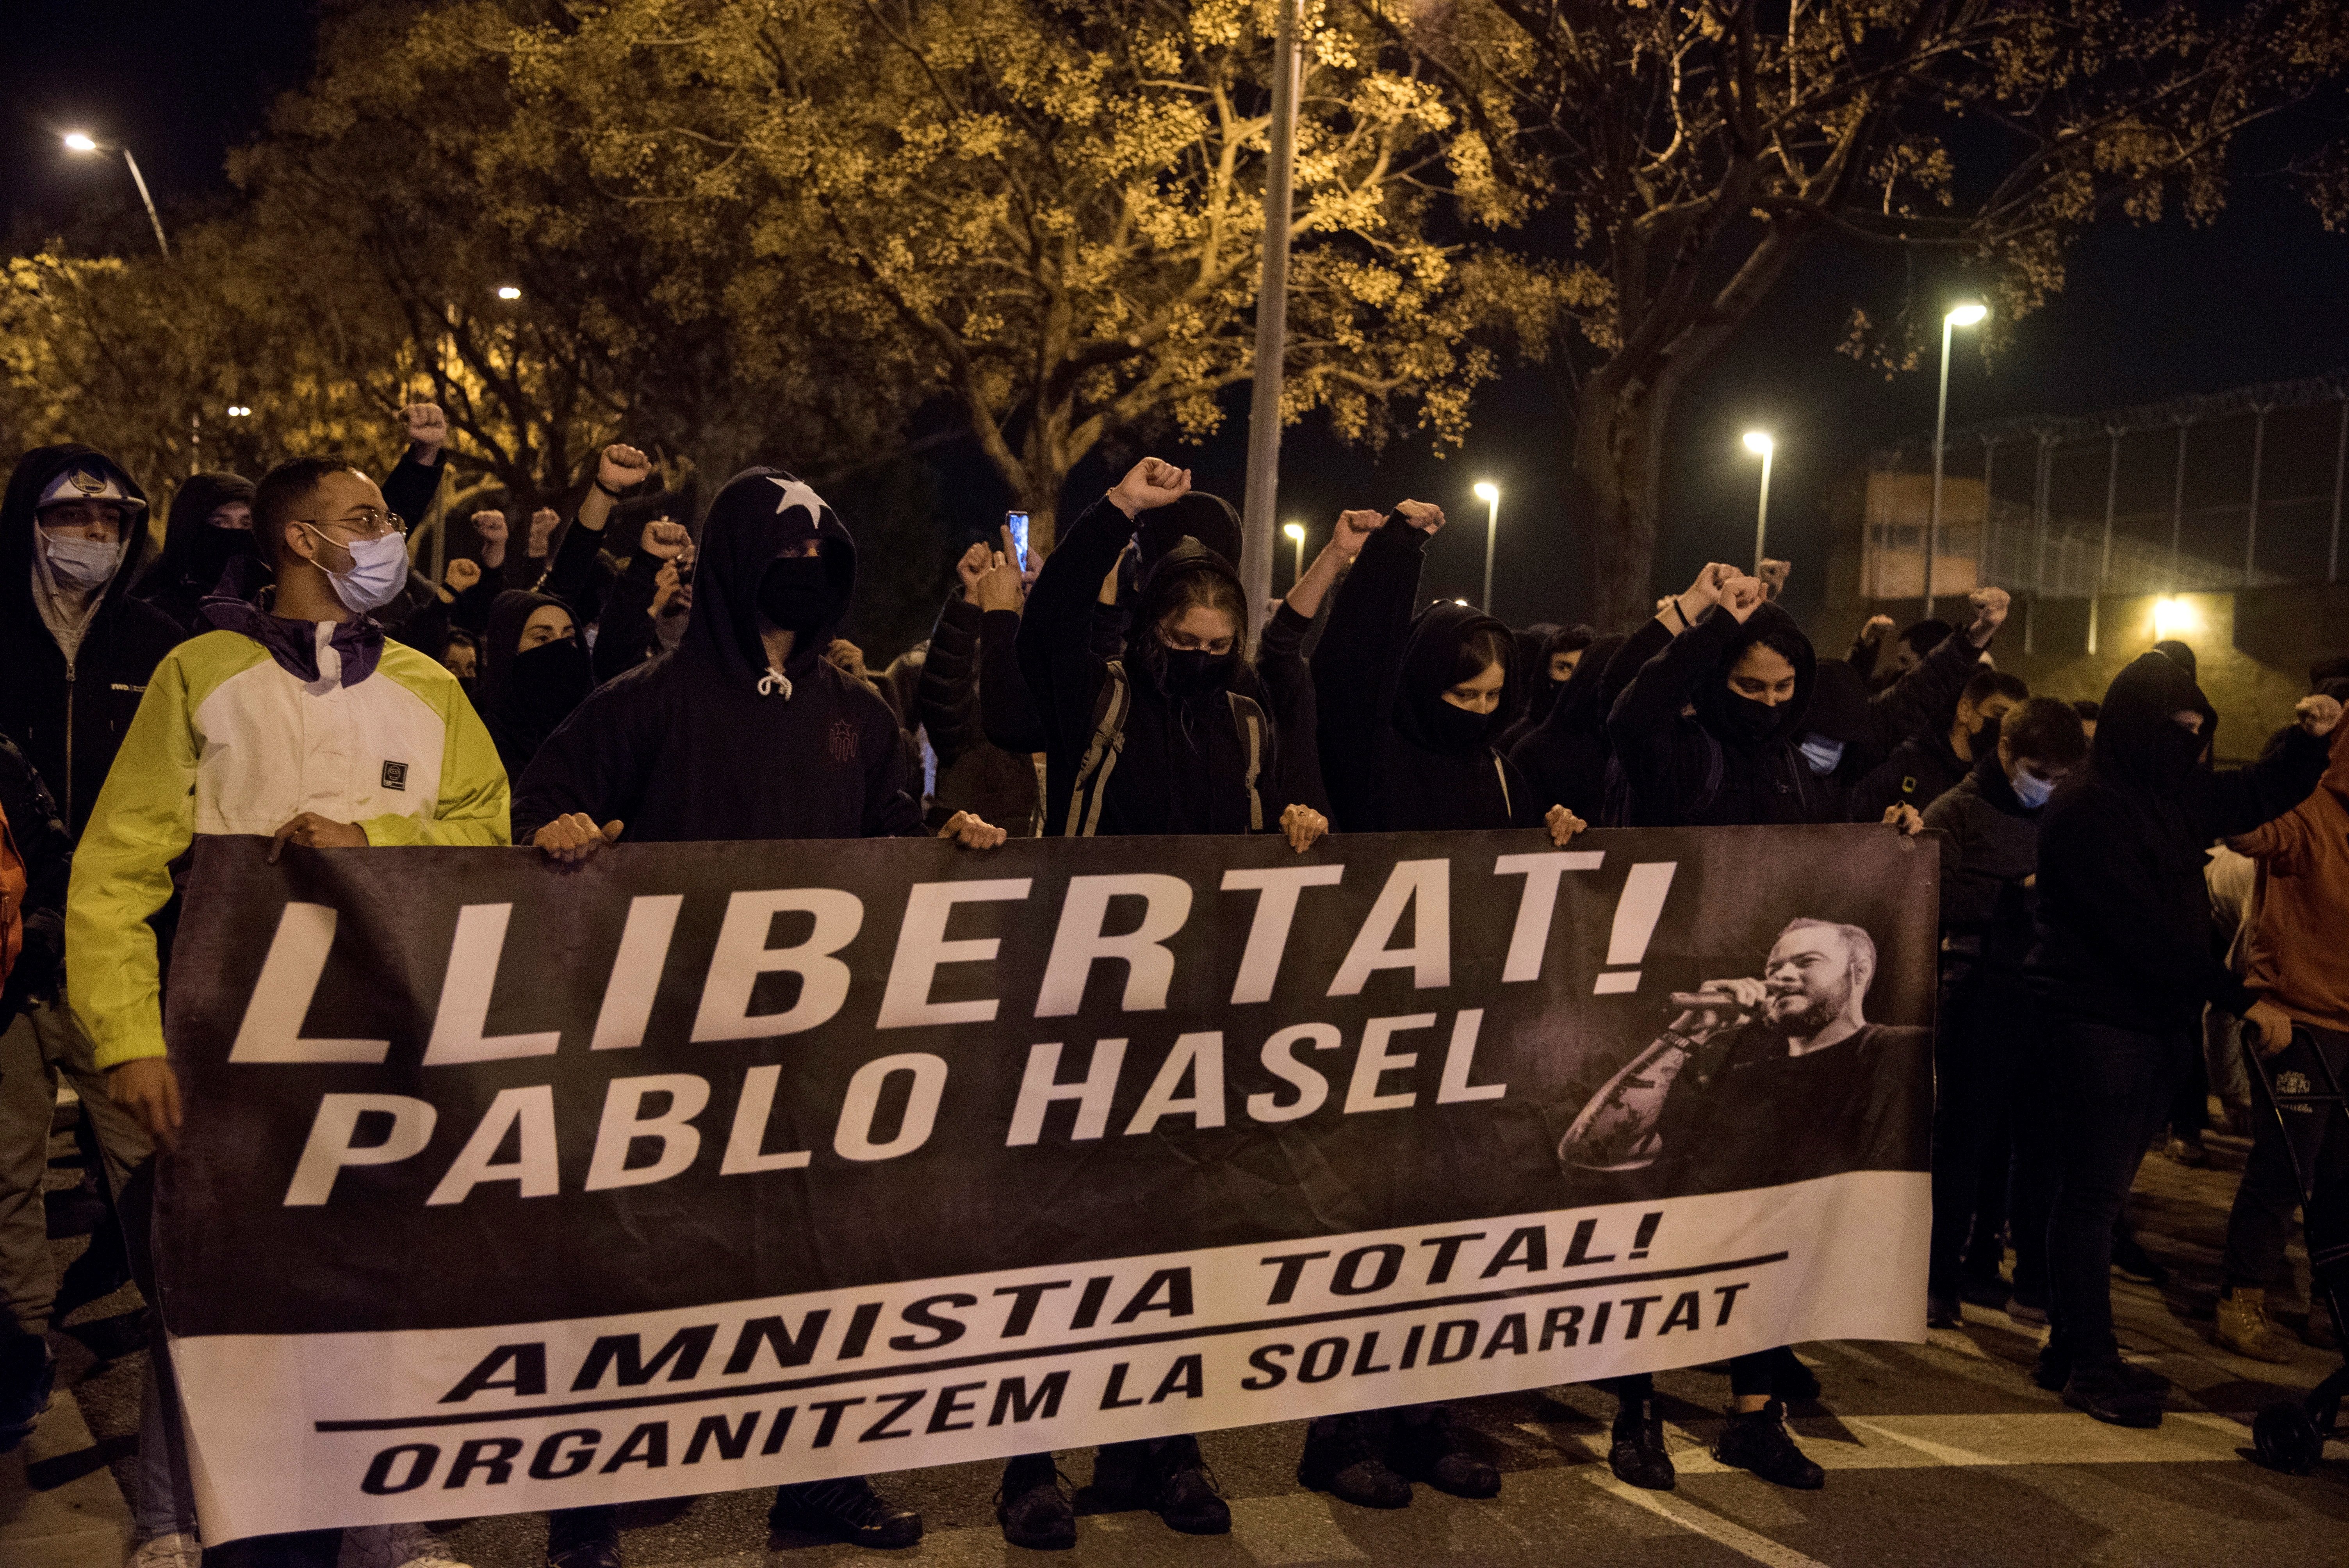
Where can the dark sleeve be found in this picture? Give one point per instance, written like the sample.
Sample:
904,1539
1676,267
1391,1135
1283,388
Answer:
426,628
1280,665
410,488
1643,645
1355,662
594,762
472,610
1007,708
1970,893
1645,722
1864,654
571,577
947,702
1878,790
1525,810
2222,805
1064,670
1924,698
46,850
624,637
2095,865
893,809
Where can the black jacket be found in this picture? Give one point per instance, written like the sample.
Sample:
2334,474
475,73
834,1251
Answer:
1007,708
1379,675
974,774
195,554
70,719
42,844
1564,758
2123,926
705,743
1992,850
523,697
1921,770
1689,770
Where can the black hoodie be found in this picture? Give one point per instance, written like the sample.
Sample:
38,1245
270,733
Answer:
1695,770
196,554
1379,675
2123,923
70,717
707,743
525,697
1564,758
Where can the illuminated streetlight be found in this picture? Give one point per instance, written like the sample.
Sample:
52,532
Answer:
238,410
1970,314
82,142
1490,494
507,290
2173,617
1296,531
1759,443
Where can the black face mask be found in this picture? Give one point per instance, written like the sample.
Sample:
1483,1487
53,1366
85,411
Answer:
1748,721
211,550
550,680
1456,729
1194,672
796,594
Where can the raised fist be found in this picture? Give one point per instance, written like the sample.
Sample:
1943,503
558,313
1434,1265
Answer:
670,589
1424,516
664,539
1990,613
972,567
1872,632
491,526
426,425
462,574
1354,529
1774,575
2317,714
1150,483
1741,596
541,528
621,467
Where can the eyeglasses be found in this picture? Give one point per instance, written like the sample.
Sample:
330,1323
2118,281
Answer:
368,524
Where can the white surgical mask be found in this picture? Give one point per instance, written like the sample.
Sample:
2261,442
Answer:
378,570
2032,789
1821,753
80,565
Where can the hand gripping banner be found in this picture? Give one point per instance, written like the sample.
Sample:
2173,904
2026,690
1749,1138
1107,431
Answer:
506,1187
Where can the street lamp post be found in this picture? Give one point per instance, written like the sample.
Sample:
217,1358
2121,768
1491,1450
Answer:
82,142
1296,531
1759,442
1969,315
1490,494
1262,494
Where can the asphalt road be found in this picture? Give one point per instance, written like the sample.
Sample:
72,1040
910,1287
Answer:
1943,1453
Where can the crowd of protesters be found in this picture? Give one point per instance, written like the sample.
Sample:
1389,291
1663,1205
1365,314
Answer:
620,676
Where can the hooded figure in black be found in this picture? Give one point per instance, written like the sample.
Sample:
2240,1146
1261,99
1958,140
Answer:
1397,757
196,553
1732,761
712,741
525,693
2121,967
1538,647
76,667
1564,758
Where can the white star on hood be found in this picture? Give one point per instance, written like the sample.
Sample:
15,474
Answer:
796,492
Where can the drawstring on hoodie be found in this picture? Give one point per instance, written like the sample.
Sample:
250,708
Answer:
775,682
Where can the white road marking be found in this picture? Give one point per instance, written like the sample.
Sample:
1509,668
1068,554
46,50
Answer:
1705,1522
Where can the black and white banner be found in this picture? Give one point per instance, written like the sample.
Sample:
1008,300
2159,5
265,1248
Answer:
506,1187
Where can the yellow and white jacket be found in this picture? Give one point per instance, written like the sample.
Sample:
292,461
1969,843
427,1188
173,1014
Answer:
228,740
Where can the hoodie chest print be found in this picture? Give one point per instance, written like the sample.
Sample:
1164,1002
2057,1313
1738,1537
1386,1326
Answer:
841,742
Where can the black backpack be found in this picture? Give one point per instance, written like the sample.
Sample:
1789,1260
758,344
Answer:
1112,708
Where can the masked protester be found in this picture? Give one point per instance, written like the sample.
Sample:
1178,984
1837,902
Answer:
1929,762
1564,758
2120,971
535,672
211,526
1549,655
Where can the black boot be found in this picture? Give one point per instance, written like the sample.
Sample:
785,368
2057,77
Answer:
1426,1446
2117,1393
1338,1459
1758,1440
2130,1260
1182,1493
843,1509
583,1537
1033,1505
1638,1456
1941,1310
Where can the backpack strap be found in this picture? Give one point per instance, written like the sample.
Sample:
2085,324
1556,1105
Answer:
1507,809
1091,787
1248,717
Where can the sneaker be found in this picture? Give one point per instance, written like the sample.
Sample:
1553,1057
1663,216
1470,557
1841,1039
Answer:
2023,1309
1637,1455
845,1508
2117,1393
1339,1460
177,1550
1941,1312
1032,1505
1758,1440
1183,1493
1426,1446
28,1376
396,1546
2131,1261
2243,1326
2053,1369
583,1537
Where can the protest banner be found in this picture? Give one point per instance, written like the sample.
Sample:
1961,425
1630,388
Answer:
507,1187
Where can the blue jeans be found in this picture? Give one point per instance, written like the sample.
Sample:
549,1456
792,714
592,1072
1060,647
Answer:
2112,1088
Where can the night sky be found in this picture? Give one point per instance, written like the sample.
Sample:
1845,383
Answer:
2147,313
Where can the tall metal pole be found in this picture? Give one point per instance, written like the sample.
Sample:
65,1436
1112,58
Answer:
1492,529
1762,516
1941,425
2105,560
1259,523
1300,577
141,180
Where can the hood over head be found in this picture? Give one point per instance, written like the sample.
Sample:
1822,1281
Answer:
1430,654
1164,584
1714,697
526,695
1209,519
34,472
1578,701
194,552
2138,746
1838,703
758,513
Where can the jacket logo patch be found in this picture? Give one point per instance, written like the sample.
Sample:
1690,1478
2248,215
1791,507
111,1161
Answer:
395,776
843,742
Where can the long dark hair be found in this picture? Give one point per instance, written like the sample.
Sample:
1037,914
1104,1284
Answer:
1186,578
